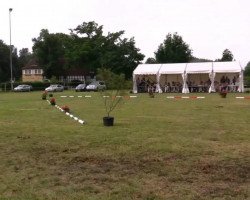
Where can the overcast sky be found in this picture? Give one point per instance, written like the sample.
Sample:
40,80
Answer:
208,26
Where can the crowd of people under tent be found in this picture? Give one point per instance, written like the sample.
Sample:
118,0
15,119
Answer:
225,84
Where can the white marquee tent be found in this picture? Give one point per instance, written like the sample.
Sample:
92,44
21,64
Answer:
189,72
150,70
171,73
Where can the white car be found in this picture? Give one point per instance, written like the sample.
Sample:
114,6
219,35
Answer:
55,88
23,88
80,87
95,86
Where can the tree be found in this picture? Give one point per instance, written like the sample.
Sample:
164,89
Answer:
114,97
247,70
5,62
247,74
50,50
94,50
227,55
150,61
173,50
194,59
86,47
24,57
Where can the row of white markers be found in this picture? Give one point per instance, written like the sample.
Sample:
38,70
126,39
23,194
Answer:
88,96
168,97
68,114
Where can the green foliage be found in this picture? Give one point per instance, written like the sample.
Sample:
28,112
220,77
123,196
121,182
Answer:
247,81
53,80
24,57
227,55
5,63
194,59
86,47
173,50
50,49
247,70
112,80
151,61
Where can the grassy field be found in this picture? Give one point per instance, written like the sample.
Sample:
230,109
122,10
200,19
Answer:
159,148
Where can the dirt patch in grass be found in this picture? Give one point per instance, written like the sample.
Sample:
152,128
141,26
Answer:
144,176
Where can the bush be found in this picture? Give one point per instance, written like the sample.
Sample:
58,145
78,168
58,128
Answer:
44,95
65,108
52,101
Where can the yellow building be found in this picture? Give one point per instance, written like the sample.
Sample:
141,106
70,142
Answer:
32,72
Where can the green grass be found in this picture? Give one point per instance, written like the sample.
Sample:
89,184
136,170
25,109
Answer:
159,148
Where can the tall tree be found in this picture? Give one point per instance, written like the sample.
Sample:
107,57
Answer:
113,51
5,63
50,51
227,55
24,57
173,50
86,47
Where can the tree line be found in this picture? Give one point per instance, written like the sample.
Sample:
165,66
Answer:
87,47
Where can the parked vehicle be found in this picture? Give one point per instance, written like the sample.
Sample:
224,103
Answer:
80,87
55,88
95,86
23,88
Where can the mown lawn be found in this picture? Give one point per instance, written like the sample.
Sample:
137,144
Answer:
159,148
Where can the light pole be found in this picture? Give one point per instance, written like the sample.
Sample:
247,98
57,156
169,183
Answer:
11,77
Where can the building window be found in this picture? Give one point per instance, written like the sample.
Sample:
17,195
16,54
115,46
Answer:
27,71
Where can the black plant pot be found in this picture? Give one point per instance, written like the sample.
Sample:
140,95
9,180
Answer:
223,95
108,121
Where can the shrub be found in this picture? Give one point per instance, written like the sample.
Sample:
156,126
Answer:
44,95
65,108
223,94
53,101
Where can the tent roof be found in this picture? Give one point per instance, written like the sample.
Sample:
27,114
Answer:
227,67
199,68
190,68
147,69
175,68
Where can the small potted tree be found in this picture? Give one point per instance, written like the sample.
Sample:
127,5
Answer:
114,96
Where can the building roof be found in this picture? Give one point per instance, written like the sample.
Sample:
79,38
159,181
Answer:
32,64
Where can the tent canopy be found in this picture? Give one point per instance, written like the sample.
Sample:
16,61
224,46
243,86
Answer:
227,67
175,68
147,69
199,68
